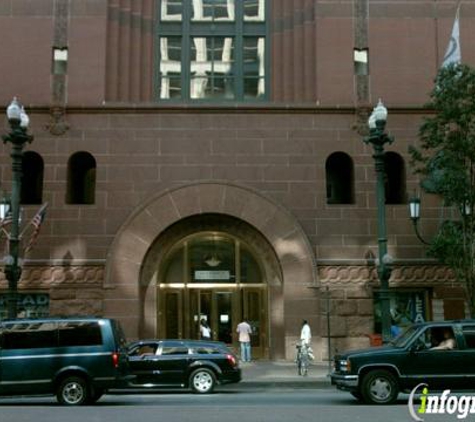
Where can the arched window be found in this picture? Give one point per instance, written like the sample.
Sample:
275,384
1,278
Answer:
395,178
339,178
81,179
32,179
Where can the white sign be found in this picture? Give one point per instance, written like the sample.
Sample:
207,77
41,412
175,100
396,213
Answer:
212,275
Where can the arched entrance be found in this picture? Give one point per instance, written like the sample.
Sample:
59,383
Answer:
216,276
145,240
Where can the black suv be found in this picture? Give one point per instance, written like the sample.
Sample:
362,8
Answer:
440,354
77,359
195,364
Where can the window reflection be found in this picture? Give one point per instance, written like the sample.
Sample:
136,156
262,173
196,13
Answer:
171,10
254,67
213,10
254,10
212,61
170,67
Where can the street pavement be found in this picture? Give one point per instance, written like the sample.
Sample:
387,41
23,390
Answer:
282,374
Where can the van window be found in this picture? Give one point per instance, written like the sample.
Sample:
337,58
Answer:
34,335
79,333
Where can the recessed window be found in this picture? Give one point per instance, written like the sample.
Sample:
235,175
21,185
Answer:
212,50
81,179
395,178
361,61
60,61
339,178
32,178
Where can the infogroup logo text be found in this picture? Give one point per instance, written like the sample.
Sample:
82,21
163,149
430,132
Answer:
441,404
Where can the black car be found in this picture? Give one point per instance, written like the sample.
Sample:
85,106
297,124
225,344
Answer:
198,365
439,354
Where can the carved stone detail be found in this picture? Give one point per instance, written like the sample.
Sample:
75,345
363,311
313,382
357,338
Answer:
44,277
413,275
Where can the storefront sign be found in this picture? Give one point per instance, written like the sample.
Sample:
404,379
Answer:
32,305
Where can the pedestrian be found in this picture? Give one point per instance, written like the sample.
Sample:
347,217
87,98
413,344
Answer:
305,334
244,330
205,330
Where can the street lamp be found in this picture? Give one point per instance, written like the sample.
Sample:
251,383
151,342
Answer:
378,138
18,137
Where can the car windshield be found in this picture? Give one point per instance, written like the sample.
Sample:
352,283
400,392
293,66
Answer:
402,339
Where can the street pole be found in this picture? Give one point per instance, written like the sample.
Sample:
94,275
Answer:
18,137
378,138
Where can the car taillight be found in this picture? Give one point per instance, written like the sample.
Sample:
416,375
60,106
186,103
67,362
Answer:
232,360
115,360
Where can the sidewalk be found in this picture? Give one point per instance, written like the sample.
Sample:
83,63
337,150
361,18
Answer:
283,374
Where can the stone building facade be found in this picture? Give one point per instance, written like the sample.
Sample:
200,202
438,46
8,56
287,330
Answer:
224,207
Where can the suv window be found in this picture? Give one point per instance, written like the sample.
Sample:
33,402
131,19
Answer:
469,335
80,333
174,350
33,335
433,337
206,350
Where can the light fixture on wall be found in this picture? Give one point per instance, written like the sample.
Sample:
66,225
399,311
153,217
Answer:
212,259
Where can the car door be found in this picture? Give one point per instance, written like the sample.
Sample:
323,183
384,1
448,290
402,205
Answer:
171,363
141,363
437,368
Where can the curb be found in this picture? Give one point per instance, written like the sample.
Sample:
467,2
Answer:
283,384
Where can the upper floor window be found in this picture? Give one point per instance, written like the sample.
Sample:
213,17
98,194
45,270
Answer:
211,50
32,179
81,179
339,178
395,186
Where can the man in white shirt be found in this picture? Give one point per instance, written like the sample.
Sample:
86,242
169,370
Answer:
244,330
305,334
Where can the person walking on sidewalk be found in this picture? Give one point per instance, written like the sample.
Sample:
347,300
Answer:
244,330
305,334
205,330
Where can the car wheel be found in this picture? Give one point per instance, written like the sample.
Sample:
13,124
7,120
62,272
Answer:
380,387
73,391
202,381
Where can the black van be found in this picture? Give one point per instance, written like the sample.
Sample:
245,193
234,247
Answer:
76,359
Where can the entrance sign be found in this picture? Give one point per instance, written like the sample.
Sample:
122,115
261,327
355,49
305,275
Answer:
212,275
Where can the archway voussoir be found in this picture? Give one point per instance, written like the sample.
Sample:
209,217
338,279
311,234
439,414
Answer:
211,197
186,201
163,212
258,211
234,201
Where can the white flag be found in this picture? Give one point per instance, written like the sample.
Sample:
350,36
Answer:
453,53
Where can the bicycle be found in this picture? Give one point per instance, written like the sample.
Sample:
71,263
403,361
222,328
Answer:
303,359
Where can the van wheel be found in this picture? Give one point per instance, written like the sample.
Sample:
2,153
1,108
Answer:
202,381
73,391
379,387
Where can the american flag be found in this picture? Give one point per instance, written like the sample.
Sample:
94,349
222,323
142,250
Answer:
36,222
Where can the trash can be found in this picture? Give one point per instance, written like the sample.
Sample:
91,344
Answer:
375,340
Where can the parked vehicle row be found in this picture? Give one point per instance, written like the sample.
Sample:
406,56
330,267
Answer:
79,359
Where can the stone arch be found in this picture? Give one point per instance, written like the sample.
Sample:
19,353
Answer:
276,224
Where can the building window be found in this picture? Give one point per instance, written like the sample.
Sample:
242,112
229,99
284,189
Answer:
361,61
81,179
32,179
211,50
339,178
30,305
395,178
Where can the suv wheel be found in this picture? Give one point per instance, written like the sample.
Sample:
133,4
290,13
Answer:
202,381
73,391
379,387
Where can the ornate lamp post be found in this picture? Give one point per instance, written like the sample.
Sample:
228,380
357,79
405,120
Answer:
378,138
18,137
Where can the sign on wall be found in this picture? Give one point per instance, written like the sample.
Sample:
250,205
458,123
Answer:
29,305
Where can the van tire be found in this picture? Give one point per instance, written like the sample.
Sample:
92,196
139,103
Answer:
73,391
